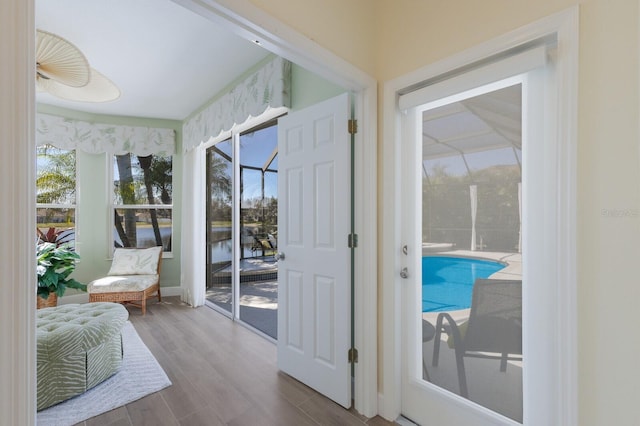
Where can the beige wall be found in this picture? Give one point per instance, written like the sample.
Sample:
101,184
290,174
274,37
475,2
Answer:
389,38
608,228
608,188
415,33
345,27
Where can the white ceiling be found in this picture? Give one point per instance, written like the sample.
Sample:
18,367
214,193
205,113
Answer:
166,60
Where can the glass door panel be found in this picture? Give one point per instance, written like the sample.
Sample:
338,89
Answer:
471,253
219,211
258,295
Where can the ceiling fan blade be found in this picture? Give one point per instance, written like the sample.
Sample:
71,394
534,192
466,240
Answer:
99,89
59,60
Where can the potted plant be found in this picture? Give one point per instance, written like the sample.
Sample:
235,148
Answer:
55,263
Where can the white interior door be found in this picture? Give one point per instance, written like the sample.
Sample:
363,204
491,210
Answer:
314,288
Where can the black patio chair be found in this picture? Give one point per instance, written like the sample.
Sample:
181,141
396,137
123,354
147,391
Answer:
493,330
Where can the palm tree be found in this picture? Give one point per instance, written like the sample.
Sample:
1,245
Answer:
145,165
217,169
160,175
56,177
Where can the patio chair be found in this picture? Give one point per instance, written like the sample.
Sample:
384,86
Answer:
493,330
428,331
264,243
133,278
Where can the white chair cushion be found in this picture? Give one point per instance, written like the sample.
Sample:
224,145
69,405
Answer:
135,261
122,283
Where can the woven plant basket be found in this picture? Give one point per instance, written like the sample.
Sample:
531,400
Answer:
49,302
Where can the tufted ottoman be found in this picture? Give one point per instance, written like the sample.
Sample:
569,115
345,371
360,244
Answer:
79,346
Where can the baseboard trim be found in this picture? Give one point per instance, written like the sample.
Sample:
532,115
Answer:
84,297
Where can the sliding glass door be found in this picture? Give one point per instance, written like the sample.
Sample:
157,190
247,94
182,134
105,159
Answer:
219,225
242,215
259,229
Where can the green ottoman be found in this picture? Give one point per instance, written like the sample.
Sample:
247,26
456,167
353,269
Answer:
79,346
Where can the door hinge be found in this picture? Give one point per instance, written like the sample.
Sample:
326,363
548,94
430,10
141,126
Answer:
352,355
353,127
352,241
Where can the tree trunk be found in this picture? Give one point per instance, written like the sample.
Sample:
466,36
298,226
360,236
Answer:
145,164
120,229
127,193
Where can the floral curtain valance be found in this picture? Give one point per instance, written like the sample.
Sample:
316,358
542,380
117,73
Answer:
95,138
267,87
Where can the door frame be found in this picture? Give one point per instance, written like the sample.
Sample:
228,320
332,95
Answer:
560,400
18,189
249,22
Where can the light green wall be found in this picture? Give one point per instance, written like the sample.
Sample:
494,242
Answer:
308,88
94,230
92,219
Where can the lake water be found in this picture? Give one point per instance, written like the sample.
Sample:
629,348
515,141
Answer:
220,250
146,237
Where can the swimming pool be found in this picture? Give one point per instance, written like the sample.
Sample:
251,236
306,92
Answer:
447,281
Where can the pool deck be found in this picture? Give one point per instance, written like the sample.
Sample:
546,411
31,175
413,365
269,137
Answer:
488,386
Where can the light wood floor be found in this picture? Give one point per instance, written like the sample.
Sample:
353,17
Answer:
222,374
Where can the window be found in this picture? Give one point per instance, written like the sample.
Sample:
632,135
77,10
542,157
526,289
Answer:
142,201
56,194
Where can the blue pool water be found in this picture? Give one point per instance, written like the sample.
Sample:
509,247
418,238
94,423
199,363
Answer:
447,281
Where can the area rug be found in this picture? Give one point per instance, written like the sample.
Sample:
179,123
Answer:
139,376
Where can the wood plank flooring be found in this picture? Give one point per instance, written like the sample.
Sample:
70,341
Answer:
222,374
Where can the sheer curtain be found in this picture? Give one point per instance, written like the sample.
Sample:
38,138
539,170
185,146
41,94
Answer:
473,193
193,250
520,217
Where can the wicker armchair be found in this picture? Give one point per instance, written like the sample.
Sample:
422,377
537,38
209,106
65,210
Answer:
134,277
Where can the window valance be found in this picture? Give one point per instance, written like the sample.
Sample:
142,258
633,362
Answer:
95,138
268,87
